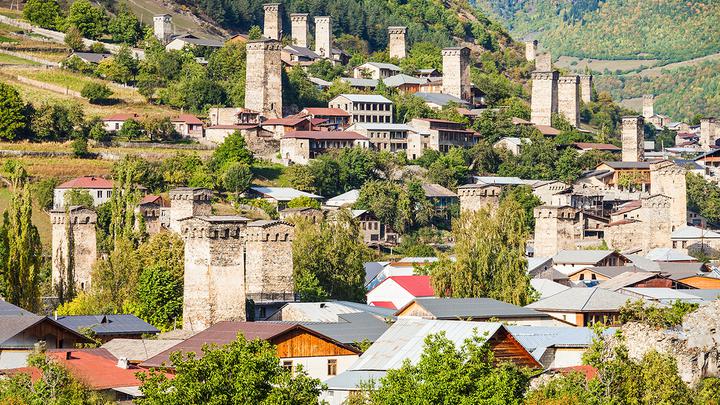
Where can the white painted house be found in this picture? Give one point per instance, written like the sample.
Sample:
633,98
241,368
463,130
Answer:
100,190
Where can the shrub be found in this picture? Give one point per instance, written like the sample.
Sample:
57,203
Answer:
96,92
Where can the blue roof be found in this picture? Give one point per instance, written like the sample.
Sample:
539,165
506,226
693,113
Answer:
120,324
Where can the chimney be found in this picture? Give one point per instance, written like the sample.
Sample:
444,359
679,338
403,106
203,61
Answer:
68,355
323,36
273,21
123,363
299,29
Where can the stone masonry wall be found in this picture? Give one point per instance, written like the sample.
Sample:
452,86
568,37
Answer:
456,72
272,21
668,179
263,88
569,99
530,50
556,228
586,84
544,101
323,36
82,235
188,202
475,198
397,42
648,105
299,29
633,135
709,132
269,273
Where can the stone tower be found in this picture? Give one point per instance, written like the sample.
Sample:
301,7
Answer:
272,28
556,228
648,106
263,80
474,197
456,72
269,273
530,50
162,27
397,42
73,231
544,98
214,279
186,202
633,137
586,85
299,29
709,132
323,36
668,179
569,99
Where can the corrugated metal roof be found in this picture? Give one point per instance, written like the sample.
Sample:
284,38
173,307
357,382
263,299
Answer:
592,299
404,341
440,99
381,65
664,295
668,255
366,98
706,295
484,308
345,198
355,82
581,256
117,324
693,232
351,379
535,337
283,193
546,287
400,79
626,279
138,350
352,327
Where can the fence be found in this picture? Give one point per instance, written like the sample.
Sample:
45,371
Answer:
48,86
30,58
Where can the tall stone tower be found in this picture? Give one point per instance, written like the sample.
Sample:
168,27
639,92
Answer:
530,50
648,106
586,85
633,136
543,63
544,98
269,273
323,36
456,72
272,28
569,99
397,42
299,27
556,228
709,132
74,247
668,179
186,202
263,78
214,279
162,27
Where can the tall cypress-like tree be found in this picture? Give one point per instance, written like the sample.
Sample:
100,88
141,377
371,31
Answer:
22,247
490,256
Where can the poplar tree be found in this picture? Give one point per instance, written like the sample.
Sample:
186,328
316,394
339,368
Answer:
489,256
21,252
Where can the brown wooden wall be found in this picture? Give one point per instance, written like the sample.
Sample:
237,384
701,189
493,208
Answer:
414,310
506,348
300,343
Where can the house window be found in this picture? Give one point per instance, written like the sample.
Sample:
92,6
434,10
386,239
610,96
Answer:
287,364
332,367
582,277
99,193
107,193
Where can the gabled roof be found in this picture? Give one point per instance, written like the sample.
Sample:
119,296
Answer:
122,117
596,146
152,199
359,82
301,51
330,112
381,65
627,207
627,279
188,119
541,337
192,39
628,165
290,121
607,271
87,182
351,327
366,98
475,308
433,190
225,332
546,287
669,255
114,324
417,286
345,198
441,99
592,299
138,350
581,256
283,193
91,57
663,295
15,320
693,232
400,79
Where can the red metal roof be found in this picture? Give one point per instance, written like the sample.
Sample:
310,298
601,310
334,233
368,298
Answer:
188,119
152,199
325,135
330,112
418,286
383,304
590,372
598,146
547,130
87,182
631,206
287,121
240,126
121,117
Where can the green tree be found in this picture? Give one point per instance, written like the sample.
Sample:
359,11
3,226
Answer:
115,279
402,207
44,190
525,197
703,197
451,169
303,202
232,150
125,27
328,259
236,177
160,129
131,129
75,197
243,371
98,132
43,13
159,298
661,317
20,268
446,374
90,20
254,32
12,113
96,92
489,256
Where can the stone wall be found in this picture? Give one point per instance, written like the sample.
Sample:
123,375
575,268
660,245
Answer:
648,105
633,136
186,202
543,63
273,21
709,132
668,179
295,150
269,272
556,228
456,72
544,100
323,36
263,88
530,50
162,28
586,85
569,99
299,29
78,236
473,197
397,42
651,230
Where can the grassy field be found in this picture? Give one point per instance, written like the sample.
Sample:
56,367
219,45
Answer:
39,218
599,65
10,13
14,60
9,28
146,9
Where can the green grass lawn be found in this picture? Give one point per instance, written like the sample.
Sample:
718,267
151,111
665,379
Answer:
9,28
6,39
14,60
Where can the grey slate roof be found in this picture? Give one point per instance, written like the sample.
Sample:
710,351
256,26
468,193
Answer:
138,350
476,308
546,287
706,295
668,255
14,320
592,299
626,279
381,65
581,256
433,190
359,82
301,51
7,308
120,324
283,193
352,328
440,99
400,79
380,311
